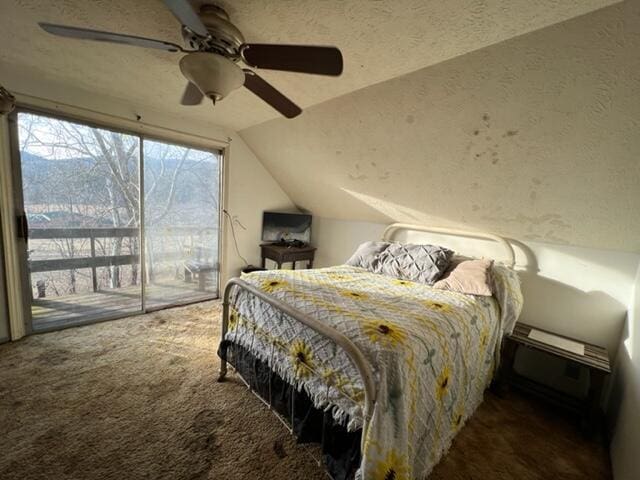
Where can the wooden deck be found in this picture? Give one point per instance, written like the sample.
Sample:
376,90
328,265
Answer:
59,312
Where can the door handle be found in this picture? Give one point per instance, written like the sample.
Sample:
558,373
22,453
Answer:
23,227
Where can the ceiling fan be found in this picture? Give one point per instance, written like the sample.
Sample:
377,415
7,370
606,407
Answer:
215,46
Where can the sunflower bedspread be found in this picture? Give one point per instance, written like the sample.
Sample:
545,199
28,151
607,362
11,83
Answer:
433,353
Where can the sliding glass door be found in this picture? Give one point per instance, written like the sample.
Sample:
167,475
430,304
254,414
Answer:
97,249
81,220
181,219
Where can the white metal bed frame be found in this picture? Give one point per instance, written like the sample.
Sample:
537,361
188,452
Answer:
357,357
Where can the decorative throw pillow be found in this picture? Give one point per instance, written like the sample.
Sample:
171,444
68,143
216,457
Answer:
366,256
472,277
418,263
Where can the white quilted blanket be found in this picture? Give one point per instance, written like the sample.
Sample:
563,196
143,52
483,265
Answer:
433,353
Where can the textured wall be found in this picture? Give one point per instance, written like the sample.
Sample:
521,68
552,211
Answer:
380,40
580,292
624,445
534,138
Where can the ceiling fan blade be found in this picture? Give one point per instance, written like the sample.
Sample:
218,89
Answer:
293,58
99,36
192,95
270,95
187,16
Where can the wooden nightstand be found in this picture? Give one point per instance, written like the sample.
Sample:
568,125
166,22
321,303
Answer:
283,254
595,359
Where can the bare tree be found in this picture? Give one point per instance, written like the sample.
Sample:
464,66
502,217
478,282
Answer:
81,176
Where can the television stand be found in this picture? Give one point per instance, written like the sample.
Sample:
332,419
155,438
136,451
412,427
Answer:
287,253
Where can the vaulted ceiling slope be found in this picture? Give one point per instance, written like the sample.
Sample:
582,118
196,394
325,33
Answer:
380,40
535,138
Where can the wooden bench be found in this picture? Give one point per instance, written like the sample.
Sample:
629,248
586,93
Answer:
200,269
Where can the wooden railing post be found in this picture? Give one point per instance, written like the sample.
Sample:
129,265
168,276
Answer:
94,275
41,286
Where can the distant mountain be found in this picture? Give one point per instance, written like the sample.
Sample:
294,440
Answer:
52,184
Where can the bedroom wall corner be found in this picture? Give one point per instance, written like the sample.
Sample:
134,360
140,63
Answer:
625,398
508,138
250,189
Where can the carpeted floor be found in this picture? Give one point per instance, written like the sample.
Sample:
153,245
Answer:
138,399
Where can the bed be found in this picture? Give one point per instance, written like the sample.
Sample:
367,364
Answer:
382,372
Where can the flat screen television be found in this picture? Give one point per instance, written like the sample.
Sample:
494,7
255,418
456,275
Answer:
286,227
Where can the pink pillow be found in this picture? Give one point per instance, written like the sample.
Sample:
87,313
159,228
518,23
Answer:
472,277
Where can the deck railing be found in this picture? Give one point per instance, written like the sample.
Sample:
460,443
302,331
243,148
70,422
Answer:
94,261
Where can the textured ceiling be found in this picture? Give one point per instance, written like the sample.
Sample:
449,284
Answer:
380,40
535,138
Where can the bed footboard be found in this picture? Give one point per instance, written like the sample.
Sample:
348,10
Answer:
352,351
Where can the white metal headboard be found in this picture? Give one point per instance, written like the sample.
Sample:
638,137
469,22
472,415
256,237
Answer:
387,235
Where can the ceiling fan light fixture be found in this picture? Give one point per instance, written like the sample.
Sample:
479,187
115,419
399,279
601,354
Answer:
215,75
214,47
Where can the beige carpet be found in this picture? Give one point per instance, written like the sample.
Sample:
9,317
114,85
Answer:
138,399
